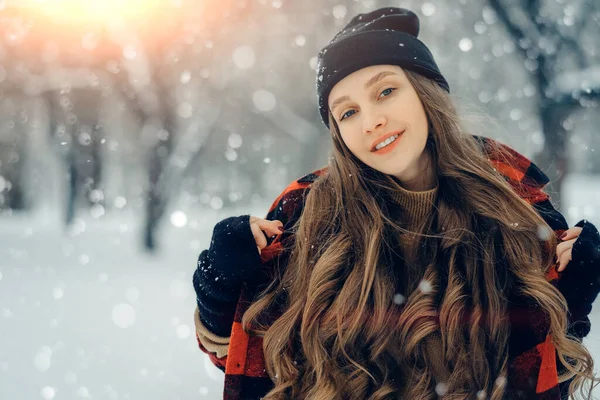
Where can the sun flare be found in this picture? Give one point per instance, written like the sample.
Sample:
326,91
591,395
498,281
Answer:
96,11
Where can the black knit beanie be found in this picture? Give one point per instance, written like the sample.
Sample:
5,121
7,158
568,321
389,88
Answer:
384,36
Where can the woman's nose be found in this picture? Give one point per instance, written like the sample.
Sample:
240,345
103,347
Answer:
374,123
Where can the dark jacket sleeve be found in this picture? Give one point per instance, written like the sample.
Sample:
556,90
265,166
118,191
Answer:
580,284
231,259
580,281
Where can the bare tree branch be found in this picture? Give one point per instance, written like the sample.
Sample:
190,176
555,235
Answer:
517,33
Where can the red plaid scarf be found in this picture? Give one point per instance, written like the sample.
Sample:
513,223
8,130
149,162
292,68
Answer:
532,373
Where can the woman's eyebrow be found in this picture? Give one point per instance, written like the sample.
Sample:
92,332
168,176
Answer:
339,101
376,78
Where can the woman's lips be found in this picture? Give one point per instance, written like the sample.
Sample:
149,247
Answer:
390,146
384,138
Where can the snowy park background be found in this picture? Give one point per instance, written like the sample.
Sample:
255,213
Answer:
128,129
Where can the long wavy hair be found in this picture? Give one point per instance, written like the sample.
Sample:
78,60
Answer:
339,333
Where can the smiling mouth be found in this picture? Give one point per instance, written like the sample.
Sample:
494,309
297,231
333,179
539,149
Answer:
388,141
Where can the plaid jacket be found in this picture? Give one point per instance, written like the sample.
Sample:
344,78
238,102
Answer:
532,373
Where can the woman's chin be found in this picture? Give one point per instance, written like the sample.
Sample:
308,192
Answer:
396,172
389,167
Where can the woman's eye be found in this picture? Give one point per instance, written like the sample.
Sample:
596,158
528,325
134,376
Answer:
386,92
347,114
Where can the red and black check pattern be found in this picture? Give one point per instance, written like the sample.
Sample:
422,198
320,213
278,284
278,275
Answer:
532,371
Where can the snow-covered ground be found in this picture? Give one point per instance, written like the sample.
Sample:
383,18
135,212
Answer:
87,315
91,316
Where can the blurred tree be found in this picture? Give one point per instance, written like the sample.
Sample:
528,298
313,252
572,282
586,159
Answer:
550,36
12,154
77,125
46,60
72,64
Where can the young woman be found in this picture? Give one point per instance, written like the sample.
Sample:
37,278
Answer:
421,263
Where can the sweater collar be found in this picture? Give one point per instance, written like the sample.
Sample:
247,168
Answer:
414,205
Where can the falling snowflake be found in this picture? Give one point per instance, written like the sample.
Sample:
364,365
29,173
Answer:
264,100
428,9
339,11
48,393
425,286
185,77
178,219
183,331
43,359
399,299
544,232
123,315
501,381
244,57
465,44
185,110
441,389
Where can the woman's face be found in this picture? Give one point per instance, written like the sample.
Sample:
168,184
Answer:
374,104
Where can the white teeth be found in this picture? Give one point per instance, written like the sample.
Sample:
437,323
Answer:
386,142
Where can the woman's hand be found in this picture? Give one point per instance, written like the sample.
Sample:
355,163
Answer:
564,250
261,228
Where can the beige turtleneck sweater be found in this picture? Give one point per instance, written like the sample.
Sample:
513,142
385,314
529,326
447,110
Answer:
416,204
413,207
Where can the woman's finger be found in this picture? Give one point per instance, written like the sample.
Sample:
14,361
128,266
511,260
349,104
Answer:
564,246
270,227
572,233
259,237
564,259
